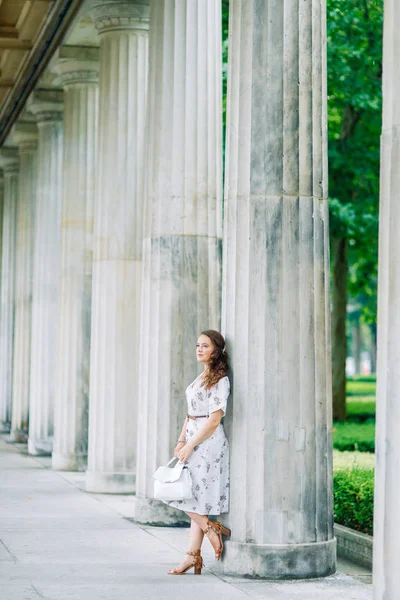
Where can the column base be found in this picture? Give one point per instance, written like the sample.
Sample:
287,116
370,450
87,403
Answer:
278,561
98,482
153,512
68,462
5,427
40,447
18,436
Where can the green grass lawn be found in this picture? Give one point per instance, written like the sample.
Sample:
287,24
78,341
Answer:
360,408
358,432
360,402
345,461
361,386
354,436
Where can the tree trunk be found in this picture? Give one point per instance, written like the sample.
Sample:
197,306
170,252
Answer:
339,342
357,346
373,348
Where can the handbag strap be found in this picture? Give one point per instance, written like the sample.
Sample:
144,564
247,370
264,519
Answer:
172,460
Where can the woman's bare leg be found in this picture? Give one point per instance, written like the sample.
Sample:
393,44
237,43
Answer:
195,542
196,536
197,525
202,521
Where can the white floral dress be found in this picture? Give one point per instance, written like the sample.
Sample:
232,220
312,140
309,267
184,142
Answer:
209,462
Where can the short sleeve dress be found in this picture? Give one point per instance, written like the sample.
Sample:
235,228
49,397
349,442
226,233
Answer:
209,462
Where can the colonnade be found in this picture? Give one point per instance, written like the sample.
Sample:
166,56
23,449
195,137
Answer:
113,262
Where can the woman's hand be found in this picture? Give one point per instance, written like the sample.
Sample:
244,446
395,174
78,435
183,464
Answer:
185,452
178,447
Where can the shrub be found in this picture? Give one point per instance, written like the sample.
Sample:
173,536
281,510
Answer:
354,436
354,499
360,411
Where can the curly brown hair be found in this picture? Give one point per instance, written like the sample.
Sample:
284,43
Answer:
219,364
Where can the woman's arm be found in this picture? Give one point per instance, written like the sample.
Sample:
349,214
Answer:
181,439
205,432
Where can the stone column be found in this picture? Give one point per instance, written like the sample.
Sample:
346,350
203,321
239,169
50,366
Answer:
276,314
78,71
9,162
47,108
182,245
117,261
386,558
25,137
4,425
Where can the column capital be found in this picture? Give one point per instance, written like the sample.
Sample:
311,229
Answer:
9,160
46,105
120,15
77,65
25,136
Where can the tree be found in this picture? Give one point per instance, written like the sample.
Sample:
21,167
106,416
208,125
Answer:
354,121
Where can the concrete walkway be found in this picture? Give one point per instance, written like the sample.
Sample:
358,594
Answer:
59,543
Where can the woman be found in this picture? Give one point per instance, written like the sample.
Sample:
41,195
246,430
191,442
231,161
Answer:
203,446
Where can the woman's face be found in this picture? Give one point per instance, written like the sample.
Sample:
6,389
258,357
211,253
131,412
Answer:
204,349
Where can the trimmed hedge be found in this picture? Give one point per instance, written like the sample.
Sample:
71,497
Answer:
354,499
359,412
354,436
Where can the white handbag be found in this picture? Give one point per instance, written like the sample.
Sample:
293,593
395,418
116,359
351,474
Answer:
172,483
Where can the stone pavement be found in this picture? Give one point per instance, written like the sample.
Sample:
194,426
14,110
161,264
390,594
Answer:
59,543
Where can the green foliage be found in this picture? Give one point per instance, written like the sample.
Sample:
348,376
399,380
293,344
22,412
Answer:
225,38
354,121
354,499
354,436
360,411
357,387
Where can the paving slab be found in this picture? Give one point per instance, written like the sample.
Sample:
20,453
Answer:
58,542
5,554
20,592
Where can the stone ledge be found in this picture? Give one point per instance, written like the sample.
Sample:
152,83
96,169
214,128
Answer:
354,545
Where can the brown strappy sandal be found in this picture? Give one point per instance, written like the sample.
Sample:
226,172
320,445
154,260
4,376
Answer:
220,530
197,564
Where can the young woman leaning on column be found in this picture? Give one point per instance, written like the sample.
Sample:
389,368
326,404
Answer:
204,448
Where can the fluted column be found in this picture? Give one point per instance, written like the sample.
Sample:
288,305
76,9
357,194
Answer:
117,261
46,271
9,162
5,409
386,510
25,137
79,76
182,244
276,292
4,426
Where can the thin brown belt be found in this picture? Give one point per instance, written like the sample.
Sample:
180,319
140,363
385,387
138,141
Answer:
197,417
